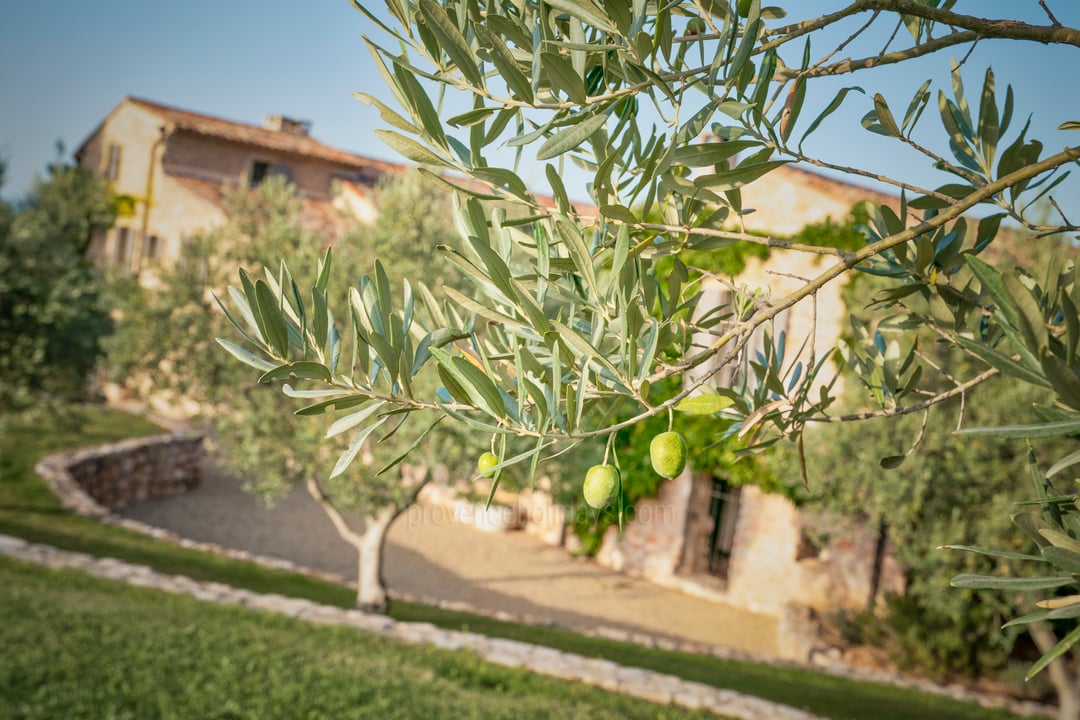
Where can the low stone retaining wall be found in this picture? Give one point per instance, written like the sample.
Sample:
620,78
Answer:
93,481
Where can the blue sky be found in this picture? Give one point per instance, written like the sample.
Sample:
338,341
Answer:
65,64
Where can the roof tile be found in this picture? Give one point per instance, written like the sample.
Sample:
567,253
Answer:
285,142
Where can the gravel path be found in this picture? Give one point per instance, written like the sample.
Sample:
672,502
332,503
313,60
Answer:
430,555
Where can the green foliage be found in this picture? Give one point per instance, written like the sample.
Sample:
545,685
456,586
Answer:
949,491
52,318
569,323
165,342
731,260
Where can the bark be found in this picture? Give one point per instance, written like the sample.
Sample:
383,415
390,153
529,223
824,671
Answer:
879,563
1065,685
370,585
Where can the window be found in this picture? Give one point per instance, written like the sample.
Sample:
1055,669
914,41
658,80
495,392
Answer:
152,249
724,511
112,170
259,171
122,246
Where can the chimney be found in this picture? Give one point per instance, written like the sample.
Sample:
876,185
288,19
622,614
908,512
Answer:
292,126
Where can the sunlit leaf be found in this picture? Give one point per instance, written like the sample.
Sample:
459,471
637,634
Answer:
991,582
451,41
571,137
704,404
247,357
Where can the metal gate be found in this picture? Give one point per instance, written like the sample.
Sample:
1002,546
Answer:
724,510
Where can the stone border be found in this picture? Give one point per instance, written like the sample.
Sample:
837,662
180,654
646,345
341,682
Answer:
132,470
635,682
53,470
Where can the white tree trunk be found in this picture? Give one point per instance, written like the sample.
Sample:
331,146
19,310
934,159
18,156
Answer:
371,590
1065,685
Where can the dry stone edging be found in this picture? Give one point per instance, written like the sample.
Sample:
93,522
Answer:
96,480
636,682
54,470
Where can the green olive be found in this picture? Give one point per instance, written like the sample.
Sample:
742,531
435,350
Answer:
601,483
667,451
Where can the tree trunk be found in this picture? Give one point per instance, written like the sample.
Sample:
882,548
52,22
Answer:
1067,689
371,589
879,563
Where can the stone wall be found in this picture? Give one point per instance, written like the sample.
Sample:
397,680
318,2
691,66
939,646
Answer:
651,545
95,480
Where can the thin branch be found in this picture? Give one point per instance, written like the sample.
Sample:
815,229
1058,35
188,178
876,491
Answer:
962,172
885,48
1010,29
866,174
1061,212
1053,20
770,242
849,66
347,533
846,42
970,50
908,409
790,32
832,53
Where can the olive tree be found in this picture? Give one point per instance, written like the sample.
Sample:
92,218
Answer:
164,347
673,108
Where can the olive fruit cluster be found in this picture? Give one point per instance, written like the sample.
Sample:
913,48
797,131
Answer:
667,453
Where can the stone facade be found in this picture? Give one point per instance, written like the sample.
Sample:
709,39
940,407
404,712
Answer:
177,167
97,480
768,567
789,198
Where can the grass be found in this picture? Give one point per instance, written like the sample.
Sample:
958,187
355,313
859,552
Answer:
77,647
29,510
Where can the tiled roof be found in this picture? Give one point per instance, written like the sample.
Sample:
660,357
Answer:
285,142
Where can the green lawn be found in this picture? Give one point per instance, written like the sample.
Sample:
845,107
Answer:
76,646
28,509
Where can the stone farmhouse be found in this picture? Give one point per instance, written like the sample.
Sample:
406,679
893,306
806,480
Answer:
177,165
739,545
